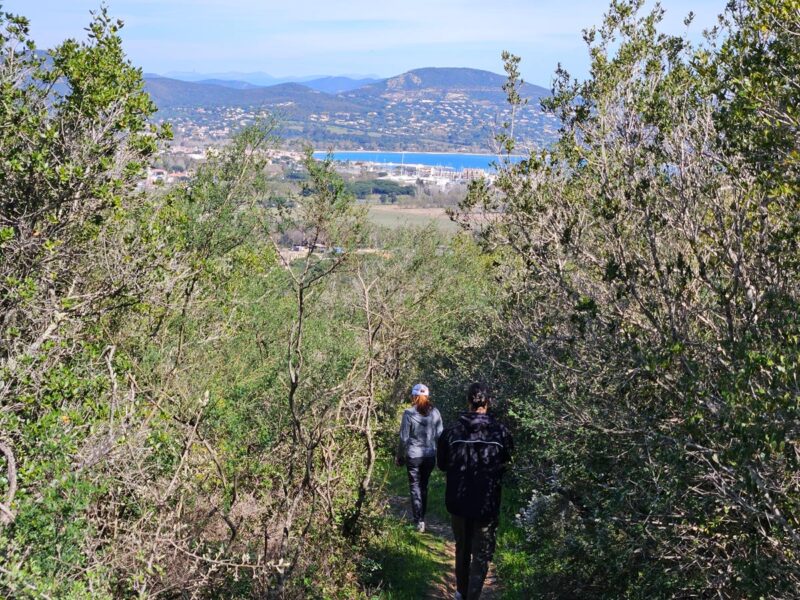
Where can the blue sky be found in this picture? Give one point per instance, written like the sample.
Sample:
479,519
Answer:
327,37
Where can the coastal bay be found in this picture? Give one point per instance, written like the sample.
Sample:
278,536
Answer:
455,161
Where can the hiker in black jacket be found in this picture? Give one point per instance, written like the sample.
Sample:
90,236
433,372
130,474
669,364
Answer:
474,453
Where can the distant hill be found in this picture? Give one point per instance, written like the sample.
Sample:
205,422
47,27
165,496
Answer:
260,79
236,85
337,85
423,109
253,78
329,85
246,81
169,92
172,93
448,79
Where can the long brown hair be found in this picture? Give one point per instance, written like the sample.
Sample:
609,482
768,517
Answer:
423,404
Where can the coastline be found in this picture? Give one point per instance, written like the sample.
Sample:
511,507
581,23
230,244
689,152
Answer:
392,160
335,150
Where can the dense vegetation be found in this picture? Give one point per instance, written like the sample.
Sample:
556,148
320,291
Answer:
177,416
386,189
649,336
187,412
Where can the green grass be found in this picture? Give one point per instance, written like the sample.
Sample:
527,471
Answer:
512,563
393,217
406,563
395,481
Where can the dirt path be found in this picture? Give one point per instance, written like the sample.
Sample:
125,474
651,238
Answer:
444,587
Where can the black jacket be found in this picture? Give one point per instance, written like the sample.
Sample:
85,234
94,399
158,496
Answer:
473,453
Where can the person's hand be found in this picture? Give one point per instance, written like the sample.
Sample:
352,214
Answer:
398,461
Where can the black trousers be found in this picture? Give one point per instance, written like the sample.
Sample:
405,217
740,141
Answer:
475,542
419,472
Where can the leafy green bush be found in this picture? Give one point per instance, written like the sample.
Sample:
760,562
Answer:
647,341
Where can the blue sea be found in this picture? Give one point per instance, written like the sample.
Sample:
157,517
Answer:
454,161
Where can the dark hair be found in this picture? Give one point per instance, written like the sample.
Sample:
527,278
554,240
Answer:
423,404
478,395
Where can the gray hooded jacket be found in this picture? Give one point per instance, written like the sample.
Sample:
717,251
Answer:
419,434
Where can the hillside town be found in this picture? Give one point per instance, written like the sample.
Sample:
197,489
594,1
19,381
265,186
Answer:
429,120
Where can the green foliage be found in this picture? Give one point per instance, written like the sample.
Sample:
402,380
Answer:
404,563
646,346
386,188
154,435
74,138
186,407
401,563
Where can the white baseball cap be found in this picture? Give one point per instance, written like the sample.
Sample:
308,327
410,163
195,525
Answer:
420,389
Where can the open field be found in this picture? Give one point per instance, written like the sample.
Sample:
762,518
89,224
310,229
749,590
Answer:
395,216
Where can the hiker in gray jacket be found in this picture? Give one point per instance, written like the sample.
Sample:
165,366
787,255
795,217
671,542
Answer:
419,432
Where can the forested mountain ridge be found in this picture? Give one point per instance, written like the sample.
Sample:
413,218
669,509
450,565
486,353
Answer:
447,79
329,85
424,109
432,78
171,93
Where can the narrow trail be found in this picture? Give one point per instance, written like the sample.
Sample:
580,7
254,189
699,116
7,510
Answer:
444,587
